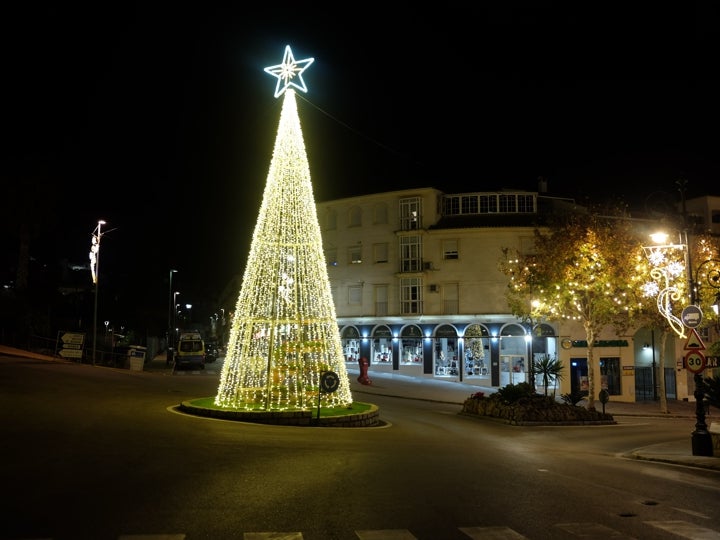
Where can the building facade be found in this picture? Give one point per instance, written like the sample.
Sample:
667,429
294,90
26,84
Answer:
418,292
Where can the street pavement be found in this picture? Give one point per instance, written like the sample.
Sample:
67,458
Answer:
431,389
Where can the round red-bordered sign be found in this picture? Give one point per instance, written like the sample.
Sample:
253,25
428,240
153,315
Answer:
695,361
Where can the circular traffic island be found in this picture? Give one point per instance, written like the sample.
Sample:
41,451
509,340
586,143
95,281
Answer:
358,414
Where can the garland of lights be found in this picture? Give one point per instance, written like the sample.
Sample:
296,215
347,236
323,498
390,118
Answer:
284,331
666,269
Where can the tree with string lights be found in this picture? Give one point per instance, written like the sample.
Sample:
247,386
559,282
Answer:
583,269
284,336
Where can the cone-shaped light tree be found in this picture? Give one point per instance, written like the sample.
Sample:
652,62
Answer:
284,339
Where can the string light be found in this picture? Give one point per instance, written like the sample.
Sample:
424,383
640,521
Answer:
284,331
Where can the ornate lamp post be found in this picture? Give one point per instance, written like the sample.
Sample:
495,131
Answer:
671,263
701,438
95,271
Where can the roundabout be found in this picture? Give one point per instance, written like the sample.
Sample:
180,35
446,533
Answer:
359,414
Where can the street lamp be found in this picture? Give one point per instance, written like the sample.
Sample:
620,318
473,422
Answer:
170,326
667,269
95,272
189,316
701,438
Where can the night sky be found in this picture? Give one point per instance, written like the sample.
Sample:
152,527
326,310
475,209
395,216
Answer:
159,118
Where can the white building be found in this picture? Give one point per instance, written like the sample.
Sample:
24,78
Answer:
418,292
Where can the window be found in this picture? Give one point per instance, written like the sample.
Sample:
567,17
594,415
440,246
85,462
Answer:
410,254
380,215
410,214
450,249
355,295
451,303
331,256
355,217
610,375
469,204
525,204
380,252
508,203
716,216
488,203
381,300
331,220
355,255
410,296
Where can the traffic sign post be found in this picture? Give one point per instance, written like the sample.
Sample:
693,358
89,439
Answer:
329,382
70,345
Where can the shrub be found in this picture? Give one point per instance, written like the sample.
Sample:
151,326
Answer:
574,397
512,393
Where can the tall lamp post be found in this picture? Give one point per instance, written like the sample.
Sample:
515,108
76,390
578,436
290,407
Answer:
671,262
170,328
95,271
701,438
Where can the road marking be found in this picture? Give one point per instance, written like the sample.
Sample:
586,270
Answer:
492,533
685,529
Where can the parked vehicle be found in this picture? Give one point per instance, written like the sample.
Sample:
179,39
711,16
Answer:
211,351
190,351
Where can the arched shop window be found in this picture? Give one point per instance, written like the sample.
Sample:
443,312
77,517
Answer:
445,352
513,354
350,338
476,352
411,346
381,347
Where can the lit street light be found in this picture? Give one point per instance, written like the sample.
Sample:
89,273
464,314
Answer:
95,271
170,325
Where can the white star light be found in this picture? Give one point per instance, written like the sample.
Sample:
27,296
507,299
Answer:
287,71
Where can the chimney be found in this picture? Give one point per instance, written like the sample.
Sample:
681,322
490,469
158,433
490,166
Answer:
542,184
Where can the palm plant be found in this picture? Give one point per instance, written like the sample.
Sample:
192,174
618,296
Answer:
550,368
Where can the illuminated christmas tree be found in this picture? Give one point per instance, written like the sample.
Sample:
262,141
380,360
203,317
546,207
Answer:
284,335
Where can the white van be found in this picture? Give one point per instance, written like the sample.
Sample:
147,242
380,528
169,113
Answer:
190,351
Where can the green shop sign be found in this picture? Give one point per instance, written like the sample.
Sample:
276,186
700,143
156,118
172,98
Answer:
601,343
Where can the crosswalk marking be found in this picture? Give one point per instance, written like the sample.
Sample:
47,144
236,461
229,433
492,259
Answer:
591,530
272,536
686,530
151,537
386,534
584,530
492,533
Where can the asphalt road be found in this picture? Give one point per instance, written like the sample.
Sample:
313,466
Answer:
98,453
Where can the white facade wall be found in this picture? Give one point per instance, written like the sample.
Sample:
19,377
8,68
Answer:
460,291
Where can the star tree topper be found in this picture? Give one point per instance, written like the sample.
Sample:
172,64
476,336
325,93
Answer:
289,70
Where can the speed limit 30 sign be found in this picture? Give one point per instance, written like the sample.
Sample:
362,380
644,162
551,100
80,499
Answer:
695,361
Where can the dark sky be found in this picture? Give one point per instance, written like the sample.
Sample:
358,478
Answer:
159,118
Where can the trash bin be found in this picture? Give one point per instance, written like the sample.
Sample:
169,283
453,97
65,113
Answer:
136,354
